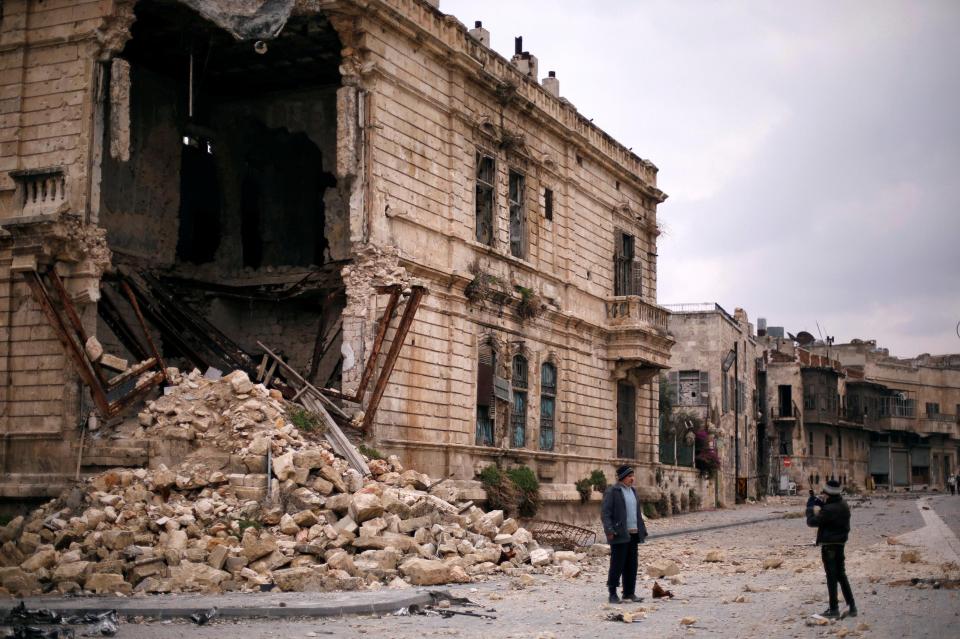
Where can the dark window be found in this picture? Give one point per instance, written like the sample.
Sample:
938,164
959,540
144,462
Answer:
827,443
933,409
518,217
548,204
518,413
810,450
840,446
485,400
785,395
486,177
548,405
626,420
626,266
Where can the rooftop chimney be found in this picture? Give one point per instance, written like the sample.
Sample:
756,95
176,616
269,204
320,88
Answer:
551,84
481,34
523,60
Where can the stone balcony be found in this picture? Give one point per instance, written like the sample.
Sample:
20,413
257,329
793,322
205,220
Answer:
632,312
938,425
638,338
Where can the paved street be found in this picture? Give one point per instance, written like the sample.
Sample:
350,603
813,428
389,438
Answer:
732,598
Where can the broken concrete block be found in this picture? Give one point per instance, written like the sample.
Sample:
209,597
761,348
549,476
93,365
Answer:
93,348
365,506
425,572
662,568
107,583
113,362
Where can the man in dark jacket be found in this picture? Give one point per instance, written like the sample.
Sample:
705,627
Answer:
833,527
623,524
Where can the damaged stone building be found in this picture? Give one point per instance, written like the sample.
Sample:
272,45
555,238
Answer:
364,188
714,376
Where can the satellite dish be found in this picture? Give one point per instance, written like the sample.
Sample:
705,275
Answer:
804,338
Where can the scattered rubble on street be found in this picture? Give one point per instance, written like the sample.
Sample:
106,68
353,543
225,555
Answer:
217,522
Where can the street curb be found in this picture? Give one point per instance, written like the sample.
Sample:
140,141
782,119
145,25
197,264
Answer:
273,611
745,522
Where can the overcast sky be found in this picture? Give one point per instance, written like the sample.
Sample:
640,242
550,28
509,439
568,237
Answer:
811,150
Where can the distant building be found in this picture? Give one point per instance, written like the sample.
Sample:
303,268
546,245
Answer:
909,409
713,375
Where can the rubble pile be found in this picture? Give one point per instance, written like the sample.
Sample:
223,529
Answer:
216,521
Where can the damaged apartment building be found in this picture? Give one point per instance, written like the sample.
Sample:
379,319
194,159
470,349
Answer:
409,221
800,411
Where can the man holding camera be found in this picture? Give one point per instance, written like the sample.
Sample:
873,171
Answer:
833,527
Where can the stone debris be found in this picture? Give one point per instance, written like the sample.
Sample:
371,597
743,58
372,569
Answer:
772,562
910,556
216,522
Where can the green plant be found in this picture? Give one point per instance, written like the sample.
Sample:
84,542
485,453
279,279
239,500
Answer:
598,480
530,304
501,494
306,421
483,286
370,452
584,487
663,505
243,524
684,502
675,504
695,500
528,490
650,511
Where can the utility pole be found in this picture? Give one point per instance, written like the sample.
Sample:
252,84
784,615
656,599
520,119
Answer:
736,422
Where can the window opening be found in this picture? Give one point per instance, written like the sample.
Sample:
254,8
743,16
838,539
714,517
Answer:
626,420
548,204
548,405
518,413
485,401
625,265
518,222
486,176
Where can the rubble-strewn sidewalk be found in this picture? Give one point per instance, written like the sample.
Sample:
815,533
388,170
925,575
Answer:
216,522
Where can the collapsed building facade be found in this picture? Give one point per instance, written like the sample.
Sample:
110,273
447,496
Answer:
190,181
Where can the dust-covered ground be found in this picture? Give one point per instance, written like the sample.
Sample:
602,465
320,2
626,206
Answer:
733,597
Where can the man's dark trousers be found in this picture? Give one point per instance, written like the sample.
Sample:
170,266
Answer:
833,565
623,563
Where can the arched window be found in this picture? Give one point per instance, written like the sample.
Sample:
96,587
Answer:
518,412
487,357
548,405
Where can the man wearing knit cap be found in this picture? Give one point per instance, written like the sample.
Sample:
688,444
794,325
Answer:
623,525
833,527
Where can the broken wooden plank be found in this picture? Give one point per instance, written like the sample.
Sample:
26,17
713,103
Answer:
314,401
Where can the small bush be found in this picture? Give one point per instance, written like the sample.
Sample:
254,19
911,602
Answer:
598,480
695,500
501,494
584,487
528,490
306,421
483,286
243,524
684,502
369,452
650,510
530,304
663,505
675,504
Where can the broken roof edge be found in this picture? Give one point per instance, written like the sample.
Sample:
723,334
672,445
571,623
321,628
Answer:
264,23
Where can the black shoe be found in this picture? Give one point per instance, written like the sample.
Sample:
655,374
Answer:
830,613
852,611
614,599
633,598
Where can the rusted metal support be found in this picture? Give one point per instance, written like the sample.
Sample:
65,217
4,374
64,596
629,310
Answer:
73,317
76,354
143,325
398,339
395,291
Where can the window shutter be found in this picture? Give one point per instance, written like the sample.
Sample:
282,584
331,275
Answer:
637,277
673,380
617,244
704,388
